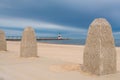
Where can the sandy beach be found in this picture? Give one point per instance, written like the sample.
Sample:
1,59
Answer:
55,62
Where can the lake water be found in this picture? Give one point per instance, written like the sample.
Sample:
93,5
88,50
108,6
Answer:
74,42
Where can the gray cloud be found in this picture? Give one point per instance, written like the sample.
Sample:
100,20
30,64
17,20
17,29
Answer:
75,13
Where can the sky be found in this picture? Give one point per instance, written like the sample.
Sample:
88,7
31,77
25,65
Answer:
71,18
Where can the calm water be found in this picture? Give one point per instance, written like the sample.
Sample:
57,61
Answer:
74,42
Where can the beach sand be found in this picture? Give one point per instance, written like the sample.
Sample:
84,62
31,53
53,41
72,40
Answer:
55,62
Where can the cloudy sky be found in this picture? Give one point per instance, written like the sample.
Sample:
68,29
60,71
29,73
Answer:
71,18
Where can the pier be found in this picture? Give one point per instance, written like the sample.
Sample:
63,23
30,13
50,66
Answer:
18,38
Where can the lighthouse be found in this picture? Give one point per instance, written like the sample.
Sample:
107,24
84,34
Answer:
59,37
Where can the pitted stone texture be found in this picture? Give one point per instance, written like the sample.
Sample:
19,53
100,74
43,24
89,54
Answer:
28,43
99,53
3,44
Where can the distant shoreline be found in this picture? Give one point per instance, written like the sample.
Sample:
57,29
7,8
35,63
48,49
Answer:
65,41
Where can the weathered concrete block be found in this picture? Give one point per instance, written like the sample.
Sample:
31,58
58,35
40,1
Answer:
99,53
3,44
28,43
